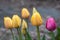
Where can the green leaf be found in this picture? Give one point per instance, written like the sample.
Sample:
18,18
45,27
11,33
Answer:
43,37
58,33
16,38
28,36
58,30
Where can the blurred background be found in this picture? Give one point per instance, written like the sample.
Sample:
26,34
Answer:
45,7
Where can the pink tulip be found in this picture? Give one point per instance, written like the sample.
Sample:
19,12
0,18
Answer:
50,24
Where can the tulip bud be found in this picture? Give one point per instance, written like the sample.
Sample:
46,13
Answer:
16,21
50,24
24,26
25,13
8,22
36,18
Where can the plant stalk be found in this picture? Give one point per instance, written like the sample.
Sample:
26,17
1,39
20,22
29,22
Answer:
25,37
38,33
19,34
12,34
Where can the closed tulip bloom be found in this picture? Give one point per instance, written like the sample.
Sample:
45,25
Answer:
36,18
16,21
25,13
50,24
8,22
24,26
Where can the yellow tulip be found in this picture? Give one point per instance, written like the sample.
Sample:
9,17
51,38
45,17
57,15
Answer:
25,13
8,22
16,20
36,18
24,26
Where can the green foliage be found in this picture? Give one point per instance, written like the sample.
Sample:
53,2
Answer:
43,37
19,33
16,38
58,33
52,36
28,36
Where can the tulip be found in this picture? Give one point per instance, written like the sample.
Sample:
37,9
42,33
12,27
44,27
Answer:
25,13
24,31
36,20
8,22
16,20
51,26
24,26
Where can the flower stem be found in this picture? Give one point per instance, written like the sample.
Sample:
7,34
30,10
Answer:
12,34
19,34
25,37
53,37
38,33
